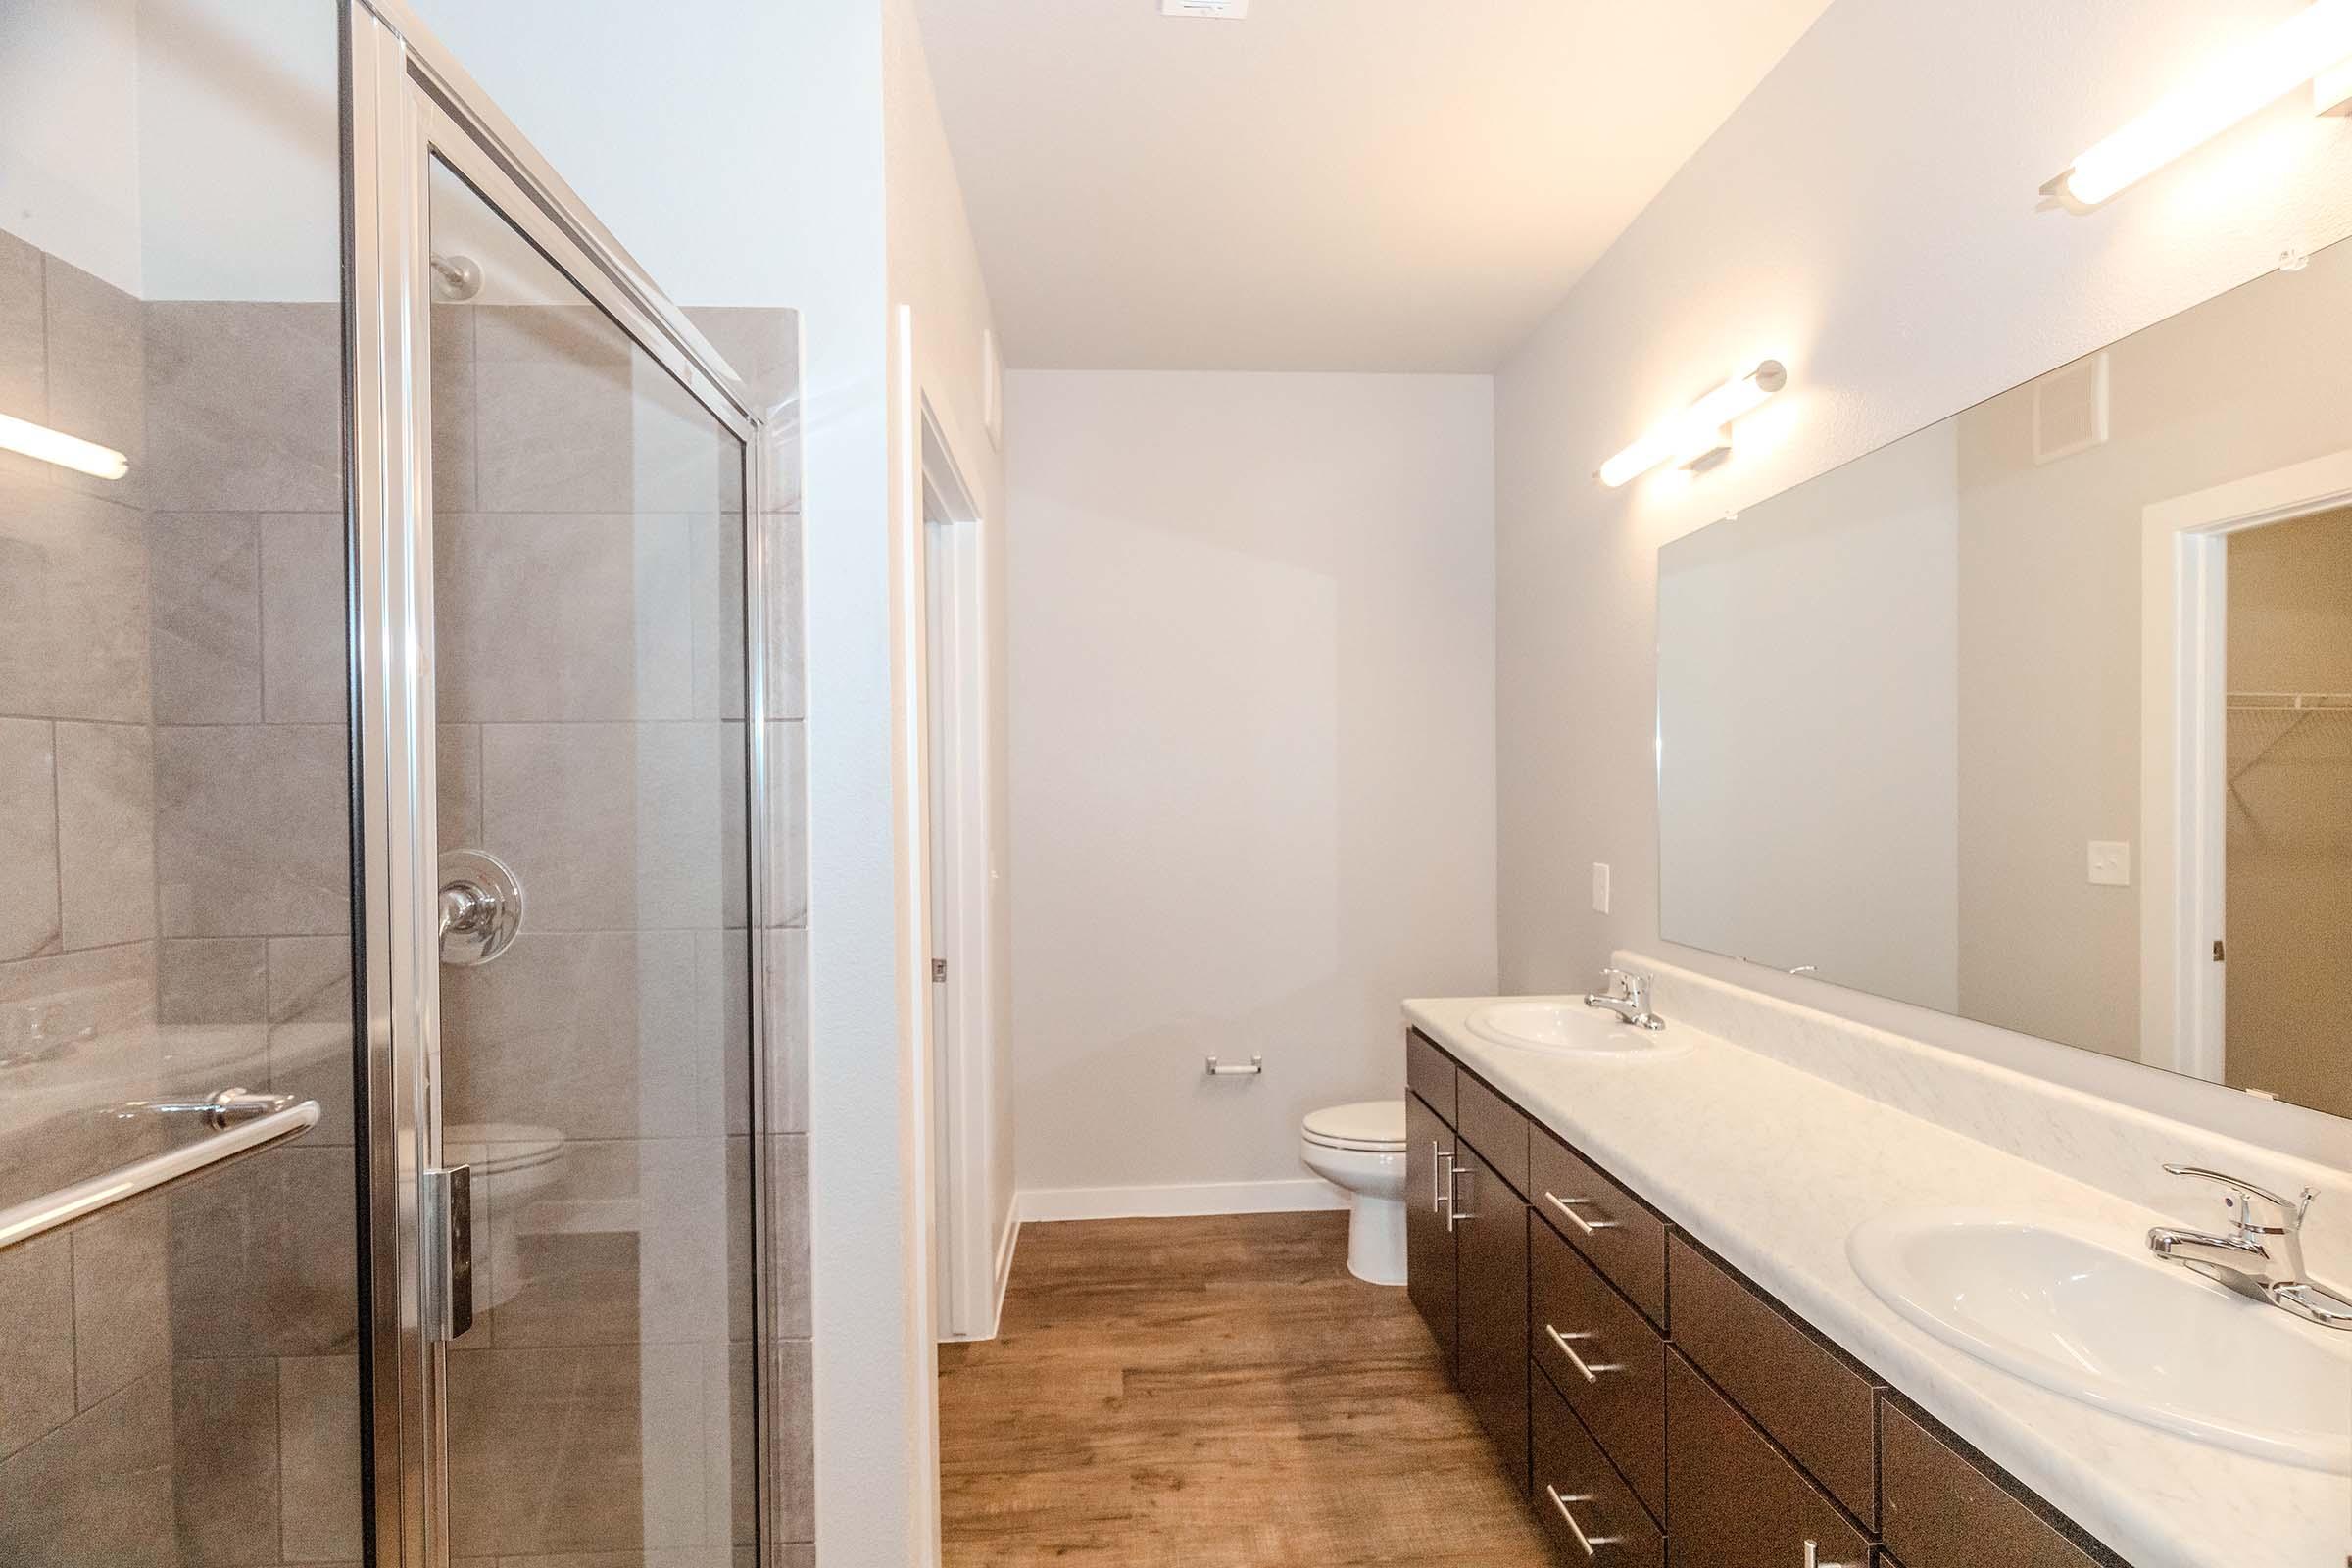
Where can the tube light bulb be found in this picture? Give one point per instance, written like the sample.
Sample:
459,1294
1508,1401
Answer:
2243,82
1693,432
65,450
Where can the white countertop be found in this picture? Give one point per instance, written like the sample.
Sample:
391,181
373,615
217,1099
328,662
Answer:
1773,1168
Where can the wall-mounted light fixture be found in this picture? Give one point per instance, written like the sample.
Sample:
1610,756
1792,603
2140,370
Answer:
2314,45
1700,436
65,450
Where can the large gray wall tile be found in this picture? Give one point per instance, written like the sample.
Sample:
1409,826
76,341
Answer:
249,830
105,833
97,1491
225,1460
80,1027
37,1302
263,1257
610,826
761,345
564,617
683,460
553,409
207,592
454,488
72,605
305,640
575,1031
245,407
28,893
312,1039
544,1450
211,980
458,780
121,1317
318,1458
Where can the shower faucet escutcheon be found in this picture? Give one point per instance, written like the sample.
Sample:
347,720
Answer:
481,908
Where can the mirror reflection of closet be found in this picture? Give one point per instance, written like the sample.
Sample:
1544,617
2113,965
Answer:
2288,850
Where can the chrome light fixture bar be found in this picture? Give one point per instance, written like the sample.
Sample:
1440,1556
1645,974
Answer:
65,450
1701,434
2311,46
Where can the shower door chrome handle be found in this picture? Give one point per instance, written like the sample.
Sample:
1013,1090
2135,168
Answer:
449,1245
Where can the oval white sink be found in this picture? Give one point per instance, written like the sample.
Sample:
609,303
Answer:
2136,1336
1571,1028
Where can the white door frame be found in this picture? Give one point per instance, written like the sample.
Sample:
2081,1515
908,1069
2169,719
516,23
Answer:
957,786
2184,585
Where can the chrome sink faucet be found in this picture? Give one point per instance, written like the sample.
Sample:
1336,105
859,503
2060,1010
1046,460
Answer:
1627,997
2261,1255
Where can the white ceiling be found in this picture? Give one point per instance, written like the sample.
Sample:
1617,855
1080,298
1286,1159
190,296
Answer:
1330,184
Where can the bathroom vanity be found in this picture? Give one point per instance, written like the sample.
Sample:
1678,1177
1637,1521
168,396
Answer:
1587,1235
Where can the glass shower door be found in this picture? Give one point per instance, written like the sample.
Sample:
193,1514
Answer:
588,619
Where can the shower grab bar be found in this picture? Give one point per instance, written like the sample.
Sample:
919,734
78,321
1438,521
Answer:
243,1123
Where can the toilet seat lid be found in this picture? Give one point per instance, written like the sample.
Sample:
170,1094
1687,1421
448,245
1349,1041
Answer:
1376,1124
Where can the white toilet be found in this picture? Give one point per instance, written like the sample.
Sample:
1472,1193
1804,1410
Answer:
512,1166
1361,1149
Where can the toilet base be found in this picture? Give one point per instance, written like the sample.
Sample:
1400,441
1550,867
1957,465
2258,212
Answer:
1376,1239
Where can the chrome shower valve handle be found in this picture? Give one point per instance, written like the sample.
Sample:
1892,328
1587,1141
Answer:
481,908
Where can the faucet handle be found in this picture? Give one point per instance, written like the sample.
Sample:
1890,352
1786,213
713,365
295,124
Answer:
1619,982
2290,1211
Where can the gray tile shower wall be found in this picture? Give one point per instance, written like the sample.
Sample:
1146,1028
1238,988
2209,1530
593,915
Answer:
174,910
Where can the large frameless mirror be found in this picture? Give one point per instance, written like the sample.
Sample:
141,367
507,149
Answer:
2042,715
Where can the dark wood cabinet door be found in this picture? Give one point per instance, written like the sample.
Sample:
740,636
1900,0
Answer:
1427,1240
1490,1363
1737,1502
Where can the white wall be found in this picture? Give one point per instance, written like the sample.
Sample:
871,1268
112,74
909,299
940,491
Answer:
1809,727
1868,214
1253,754
178,149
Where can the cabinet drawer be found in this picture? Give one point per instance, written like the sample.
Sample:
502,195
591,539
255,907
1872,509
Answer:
1815,1403
1576,1490
1620,1392
1601,1219
1495,1127
1944,1510
1429,1072
1737,1503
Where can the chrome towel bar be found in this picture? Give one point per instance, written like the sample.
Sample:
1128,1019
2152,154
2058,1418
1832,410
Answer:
243,1123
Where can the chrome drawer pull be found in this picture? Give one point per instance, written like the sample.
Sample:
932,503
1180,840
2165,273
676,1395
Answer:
1813,1557
1592,1373
1568,1207
1453,1188
1442,1174
1590,1544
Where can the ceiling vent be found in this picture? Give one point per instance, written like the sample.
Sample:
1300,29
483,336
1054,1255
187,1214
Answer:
2070,409
1233,10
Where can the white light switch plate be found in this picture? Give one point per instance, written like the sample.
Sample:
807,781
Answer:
1234,9
2110,864
1600,888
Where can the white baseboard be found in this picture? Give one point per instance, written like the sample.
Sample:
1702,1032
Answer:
1005,1244
1045,1204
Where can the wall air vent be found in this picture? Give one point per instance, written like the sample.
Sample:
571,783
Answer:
1232,10
2070,409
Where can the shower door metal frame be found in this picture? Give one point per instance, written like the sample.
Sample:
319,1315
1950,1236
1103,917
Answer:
408,102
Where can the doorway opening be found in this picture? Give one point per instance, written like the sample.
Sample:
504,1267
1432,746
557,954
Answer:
962,1083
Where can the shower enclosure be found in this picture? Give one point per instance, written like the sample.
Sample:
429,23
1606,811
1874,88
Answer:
402,1151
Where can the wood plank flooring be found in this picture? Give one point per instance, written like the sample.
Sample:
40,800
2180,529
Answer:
1213,1394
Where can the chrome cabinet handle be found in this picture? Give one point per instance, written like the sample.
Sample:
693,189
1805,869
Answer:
1813,1557
1453,1210
1440,1162
1590,1544
1569,1205
1590,1372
